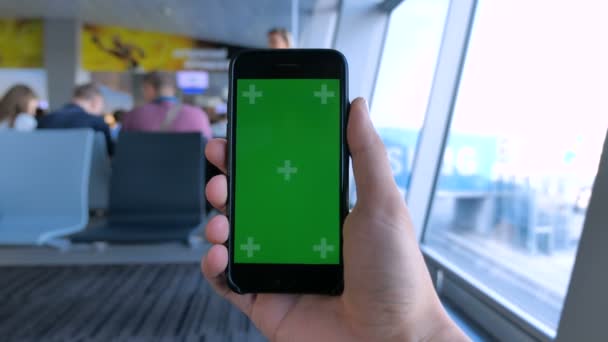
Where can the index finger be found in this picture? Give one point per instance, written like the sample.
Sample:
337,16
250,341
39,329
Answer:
215,151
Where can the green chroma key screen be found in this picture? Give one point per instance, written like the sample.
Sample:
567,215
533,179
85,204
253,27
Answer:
287,205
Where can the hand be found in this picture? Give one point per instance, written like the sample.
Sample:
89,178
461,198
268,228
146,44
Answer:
388,294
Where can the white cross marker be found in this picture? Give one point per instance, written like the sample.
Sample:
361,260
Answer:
323,248
287,170
250,247
252,94
323,94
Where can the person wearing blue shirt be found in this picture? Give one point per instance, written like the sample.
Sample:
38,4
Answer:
85,111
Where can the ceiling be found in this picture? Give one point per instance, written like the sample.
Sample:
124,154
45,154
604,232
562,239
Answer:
238,22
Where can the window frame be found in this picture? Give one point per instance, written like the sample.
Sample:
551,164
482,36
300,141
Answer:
492,312
368,22
481,304
436,125
584,307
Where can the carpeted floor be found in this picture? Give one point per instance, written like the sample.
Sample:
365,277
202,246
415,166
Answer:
168,302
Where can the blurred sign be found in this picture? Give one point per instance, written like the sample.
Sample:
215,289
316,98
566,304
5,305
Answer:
111,48
467,161
21,43
192,82
193,54
400,146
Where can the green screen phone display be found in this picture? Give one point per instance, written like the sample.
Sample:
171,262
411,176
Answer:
287,205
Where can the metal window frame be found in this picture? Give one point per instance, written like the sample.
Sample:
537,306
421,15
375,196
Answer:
478,301
374,36
364,20
435,129
295,21
334,38
387,24
482,304
317,24
584,312
390,5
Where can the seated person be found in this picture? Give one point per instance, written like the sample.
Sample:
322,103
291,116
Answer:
118,114
18,109
85,111
163,112
279,38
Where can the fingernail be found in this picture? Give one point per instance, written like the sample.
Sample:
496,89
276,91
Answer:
364,102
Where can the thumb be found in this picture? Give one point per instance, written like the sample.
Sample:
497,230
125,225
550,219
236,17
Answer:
373,175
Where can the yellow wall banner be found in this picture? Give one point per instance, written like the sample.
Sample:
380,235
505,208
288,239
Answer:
21,43
111,48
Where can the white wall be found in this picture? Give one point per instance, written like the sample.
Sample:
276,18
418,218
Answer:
34,78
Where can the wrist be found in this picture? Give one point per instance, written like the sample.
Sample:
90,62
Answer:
446,331
442,328
433,325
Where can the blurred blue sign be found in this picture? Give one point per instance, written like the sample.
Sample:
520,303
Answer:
467,163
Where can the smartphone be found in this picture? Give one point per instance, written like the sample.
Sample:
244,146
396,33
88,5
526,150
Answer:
288,171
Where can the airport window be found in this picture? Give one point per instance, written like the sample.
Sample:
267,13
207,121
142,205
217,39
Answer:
522,152
404,79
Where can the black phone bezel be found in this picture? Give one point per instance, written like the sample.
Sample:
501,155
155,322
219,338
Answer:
285,64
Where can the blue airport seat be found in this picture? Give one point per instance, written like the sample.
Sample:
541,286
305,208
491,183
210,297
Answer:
44,182
156,190
99,183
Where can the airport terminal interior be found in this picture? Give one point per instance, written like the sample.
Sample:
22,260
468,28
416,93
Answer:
493,114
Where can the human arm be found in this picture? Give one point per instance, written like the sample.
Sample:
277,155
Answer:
388,294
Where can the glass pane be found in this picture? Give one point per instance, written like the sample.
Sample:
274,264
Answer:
405,77
523,150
